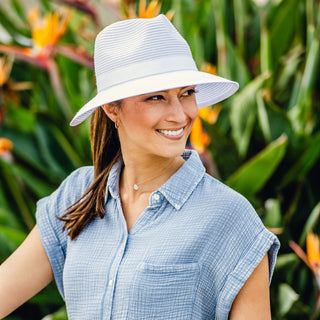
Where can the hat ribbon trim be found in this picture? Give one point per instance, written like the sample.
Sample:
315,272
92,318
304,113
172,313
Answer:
145,69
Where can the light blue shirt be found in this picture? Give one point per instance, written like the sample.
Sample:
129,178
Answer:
186,257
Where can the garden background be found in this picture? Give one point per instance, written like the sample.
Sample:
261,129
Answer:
263,142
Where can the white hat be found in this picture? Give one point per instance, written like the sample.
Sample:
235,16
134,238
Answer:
139,56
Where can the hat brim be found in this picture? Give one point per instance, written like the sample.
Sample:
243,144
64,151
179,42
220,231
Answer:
211,89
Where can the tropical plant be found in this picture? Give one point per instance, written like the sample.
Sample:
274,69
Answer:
264,142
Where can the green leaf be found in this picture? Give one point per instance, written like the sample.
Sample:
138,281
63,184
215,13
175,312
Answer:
278,120
8,219
45,142
221,144
61,314
219,9
301,113
41,188
286,260
65,145
237,68
46,4
12,238
3,199
252,176
26,148
10,22
196,44
283,27
14,189
239,18
287,297
301,166
263,117
243,113
177,19
19,9
20,118
313,219
49,295
288,72
273,217
265,50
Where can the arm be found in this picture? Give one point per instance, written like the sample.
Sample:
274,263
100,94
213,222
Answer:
24,274
253,301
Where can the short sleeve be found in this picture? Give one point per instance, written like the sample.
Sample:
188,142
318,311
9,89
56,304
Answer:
249,241
54,239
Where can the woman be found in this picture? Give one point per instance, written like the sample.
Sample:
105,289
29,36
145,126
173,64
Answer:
145,233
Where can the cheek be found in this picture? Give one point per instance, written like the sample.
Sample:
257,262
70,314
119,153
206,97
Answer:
139,121
193,111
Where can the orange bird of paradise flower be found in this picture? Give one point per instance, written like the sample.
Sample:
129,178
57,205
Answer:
8,88
145,11
46,33
198,138
6,146
312,260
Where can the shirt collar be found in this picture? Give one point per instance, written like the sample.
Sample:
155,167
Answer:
177,189
113,179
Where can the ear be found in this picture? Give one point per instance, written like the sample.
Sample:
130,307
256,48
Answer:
111,111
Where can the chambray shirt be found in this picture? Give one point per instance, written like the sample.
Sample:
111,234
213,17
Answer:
186,257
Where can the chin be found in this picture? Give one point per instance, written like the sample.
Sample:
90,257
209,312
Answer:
172,152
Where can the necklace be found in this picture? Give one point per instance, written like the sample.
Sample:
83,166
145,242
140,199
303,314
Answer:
136,186
164,173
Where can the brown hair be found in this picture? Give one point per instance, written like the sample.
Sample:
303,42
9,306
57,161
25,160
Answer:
105,148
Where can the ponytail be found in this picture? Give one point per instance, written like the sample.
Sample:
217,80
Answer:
105,148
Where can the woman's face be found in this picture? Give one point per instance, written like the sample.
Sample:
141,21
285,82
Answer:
157,124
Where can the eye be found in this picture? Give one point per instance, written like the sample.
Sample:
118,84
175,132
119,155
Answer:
189,92
155,98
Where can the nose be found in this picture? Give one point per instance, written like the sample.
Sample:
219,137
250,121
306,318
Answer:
176,111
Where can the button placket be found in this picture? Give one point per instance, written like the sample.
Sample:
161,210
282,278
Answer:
110,286
112,280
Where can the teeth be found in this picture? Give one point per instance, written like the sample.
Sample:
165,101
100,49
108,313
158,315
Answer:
170,132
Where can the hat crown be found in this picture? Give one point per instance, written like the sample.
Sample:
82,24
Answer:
131,43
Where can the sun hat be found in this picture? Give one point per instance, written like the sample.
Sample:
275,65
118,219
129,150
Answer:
139,56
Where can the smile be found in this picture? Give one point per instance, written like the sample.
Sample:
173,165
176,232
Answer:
172,133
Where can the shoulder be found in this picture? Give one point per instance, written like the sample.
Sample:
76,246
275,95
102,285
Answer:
234,223
218,196
78,180
85,174
76,183
69,190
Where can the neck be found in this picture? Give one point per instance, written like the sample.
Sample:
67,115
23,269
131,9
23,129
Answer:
147,174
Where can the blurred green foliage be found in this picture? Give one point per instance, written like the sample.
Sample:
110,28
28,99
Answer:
265,143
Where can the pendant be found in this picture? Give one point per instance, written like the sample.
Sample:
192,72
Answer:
135,187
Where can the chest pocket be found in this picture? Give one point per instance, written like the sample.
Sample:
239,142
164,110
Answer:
163,291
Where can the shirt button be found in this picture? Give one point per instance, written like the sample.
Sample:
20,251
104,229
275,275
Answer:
156,197
110,283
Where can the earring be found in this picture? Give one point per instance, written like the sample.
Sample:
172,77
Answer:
116,124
